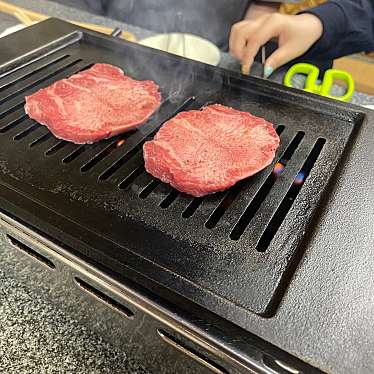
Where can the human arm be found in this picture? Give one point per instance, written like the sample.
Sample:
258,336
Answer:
333,29
348,28
257,9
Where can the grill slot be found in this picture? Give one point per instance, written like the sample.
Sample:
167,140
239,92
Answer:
141,182
106,151
135,159
160,193
131,177
192,207
13,124
118,164
217,214
261,195
26,132
12,109
54,149
169,199
147,190
113,304
193,354
66,70
290,197
32,72
15,243
41,139
64,150
280,129
40,131
73,155
37,82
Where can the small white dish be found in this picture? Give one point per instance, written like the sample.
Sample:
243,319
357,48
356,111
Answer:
12,29
193,46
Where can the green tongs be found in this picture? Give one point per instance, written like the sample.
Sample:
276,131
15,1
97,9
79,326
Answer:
324,89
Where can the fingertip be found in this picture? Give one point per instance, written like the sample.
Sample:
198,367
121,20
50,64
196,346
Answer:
281,56
268,70
247,63
245,69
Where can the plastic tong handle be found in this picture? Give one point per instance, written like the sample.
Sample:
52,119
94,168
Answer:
329,78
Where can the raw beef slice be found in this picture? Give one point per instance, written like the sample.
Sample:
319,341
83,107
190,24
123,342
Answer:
94,104
205,151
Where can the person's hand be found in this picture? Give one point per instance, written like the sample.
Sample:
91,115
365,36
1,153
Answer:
257,10
295,34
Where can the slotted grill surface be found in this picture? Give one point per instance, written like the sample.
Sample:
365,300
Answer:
237,244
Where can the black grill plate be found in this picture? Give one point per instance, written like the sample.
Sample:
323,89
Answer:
235,247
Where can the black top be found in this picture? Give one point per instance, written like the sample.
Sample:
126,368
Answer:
348,28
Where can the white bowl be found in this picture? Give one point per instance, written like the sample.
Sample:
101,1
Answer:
193,47
12,29
369,106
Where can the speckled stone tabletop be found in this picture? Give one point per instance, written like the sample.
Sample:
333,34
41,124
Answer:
38,337
35,335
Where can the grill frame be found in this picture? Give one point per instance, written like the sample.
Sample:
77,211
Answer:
259,300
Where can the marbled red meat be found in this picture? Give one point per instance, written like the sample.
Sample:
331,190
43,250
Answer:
94,104
204,151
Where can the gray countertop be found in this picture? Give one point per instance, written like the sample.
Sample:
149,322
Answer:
36,336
